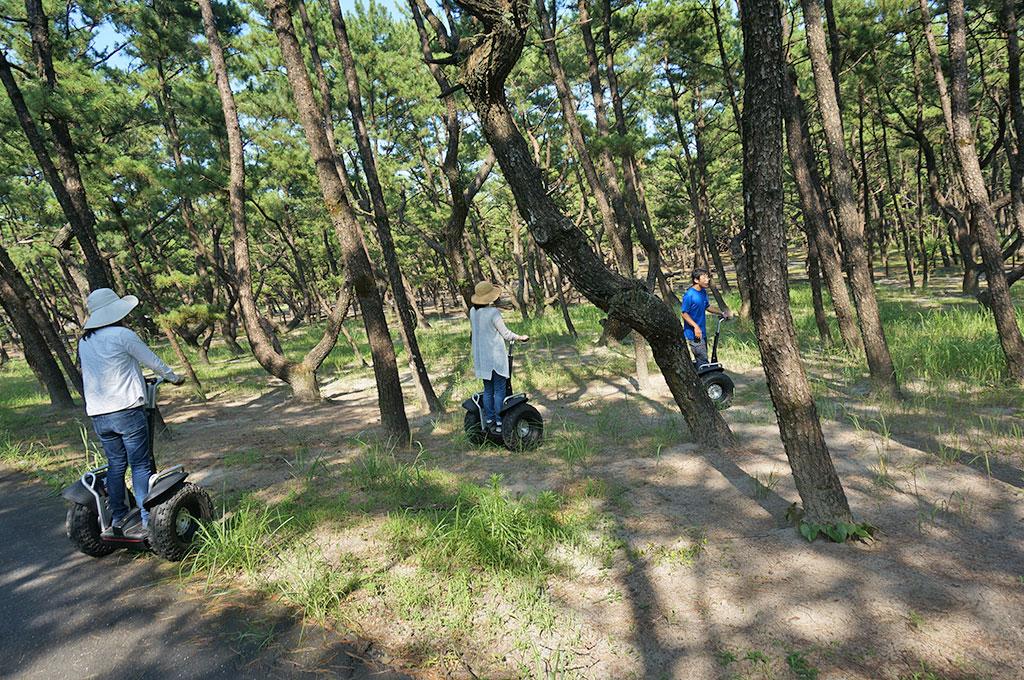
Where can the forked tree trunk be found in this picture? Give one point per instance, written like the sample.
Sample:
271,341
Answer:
339,210
485,69
260,341
851,224
977,196
820,490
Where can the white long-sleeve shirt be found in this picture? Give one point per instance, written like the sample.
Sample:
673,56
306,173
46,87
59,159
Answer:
489,335
111,375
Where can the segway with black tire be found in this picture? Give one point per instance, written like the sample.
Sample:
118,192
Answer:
718,384
176,507
522,426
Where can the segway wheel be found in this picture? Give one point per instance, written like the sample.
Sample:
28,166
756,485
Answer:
173,524
522,428
474,428
83,528
720,388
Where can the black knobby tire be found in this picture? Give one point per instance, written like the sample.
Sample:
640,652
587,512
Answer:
720,388
83,528
473,428
522,428
173,523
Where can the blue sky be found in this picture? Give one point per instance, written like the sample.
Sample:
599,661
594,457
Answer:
107,37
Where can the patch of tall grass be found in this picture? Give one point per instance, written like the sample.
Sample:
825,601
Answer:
240,542
486,529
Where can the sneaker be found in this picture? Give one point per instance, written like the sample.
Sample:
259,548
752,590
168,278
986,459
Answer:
497,429
137,532
115,530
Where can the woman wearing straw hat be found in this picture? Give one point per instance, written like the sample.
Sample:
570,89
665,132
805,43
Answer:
115,390
490,358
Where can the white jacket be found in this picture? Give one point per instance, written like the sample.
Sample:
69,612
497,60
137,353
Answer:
111,375
489,335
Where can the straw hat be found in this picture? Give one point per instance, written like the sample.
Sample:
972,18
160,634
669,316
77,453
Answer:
105,307
485,293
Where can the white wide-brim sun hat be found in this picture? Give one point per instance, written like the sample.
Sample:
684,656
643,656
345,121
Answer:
105,307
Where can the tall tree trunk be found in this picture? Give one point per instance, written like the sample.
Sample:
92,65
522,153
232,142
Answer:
485,70
37,354
607,193
357,264
880,365
21,289
301,376
814,276
387,244
83,221
819,228
977,196
818,484
1016,112
460,192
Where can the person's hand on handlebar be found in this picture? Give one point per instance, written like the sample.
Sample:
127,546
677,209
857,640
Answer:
523,338
176,380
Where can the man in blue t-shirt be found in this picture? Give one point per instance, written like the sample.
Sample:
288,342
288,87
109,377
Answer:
695,308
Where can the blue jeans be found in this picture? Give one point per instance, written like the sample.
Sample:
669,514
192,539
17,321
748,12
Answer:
494,397
125,438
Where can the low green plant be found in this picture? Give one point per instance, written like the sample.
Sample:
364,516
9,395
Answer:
839,532
801,667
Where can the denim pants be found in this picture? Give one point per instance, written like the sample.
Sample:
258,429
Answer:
700,351
125,438
494,397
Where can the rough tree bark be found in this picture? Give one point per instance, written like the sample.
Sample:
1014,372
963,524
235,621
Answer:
37,354
851,223
495,52
605,189
820,490
819,228
24,292
301,375
978,199
357,263
380,213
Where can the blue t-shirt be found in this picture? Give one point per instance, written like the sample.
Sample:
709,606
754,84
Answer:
695,303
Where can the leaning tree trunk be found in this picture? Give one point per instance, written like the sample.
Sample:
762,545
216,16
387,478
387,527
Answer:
17,282
37,354
977,196
605,187
380,213
357,263
484,72
816,480
851,225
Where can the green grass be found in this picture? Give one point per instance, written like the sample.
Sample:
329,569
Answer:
239,543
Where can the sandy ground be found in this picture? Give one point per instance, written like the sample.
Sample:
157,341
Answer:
941,591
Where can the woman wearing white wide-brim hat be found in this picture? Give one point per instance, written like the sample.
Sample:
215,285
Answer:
490,357
115,390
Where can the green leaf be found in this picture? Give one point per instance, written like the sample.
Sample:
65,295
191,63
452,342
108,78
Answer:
809,531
